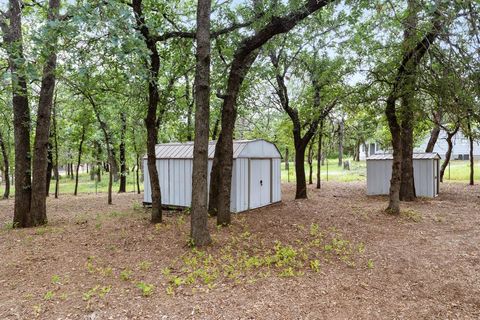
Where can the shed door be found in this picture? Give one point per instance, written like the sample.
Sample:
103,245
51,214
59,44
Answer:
260,178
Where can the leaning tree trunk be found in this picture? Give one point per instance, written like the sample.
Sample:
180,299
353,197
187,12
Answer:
244,56
6,166
199,219
151,118
13,40
448,154
79,159
110,184
123,165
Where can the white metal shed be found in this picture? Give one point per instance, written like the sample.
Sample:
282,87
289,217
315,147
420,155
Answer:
255,177
426,173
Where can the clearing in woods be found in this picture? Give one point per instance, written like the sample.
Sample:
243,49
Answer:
336,255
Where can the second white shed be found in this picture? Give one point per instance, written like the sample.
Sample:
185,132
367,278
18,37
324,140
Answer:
255,177
426,173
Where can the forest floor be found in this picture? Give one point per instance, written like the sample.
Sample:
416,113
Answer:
334,256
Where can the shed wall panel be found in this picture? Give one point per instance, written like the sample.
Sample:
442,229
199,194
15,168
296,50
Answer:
276,180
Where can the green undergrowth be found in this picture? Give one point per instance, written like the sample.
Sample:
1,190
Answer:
236,257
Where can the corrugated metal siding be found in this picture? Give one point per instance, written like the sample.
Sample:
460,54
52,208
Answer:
416,156
241,184
379,174
276,180
147,191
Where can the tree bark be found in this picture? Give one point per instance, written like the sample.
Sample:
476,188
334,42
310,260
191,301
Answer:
199,219
407,185
12,36
448,154
79,159
6,167
151,118
110,184
123,165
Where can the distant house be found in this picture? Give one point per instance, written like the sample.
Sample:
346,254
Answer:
460,151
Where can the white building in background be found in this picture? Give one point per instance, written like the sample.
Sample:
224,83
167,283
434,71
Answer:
256,174
460,151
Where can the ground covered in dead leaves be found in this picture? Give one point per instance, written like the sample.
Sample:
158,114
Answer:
334,256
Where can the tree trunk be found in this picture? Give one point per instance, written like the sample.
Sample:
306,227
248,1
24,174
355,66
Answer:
55,141
12,36
199,219
6,166
470,139
287,163
49,165
151,118
341,129
39,204
433,138
244,56
301,192
82,138
396,180
407,187
110,184
357,151
319,155
137,173
216,127
190,104
448,154
123,165
310,161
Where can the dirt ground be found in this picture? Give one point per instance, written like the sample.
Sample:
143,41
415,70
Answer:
95,261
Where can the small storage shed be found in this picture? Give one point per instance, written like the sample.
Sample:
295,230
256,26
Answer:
426,173
255,176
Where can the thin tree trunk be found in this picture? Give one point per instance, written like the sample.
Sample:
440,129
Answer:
49,165
310,161
190,104
216,127
319,155
123,165
110,184
12,36
199,219
287,163
80,146
151,119
448,154
341,129
137,173
434,134
55,141
6,166
470,139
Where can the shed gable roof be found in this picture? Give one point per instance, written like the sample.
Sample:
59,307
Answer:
177,150
416,156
